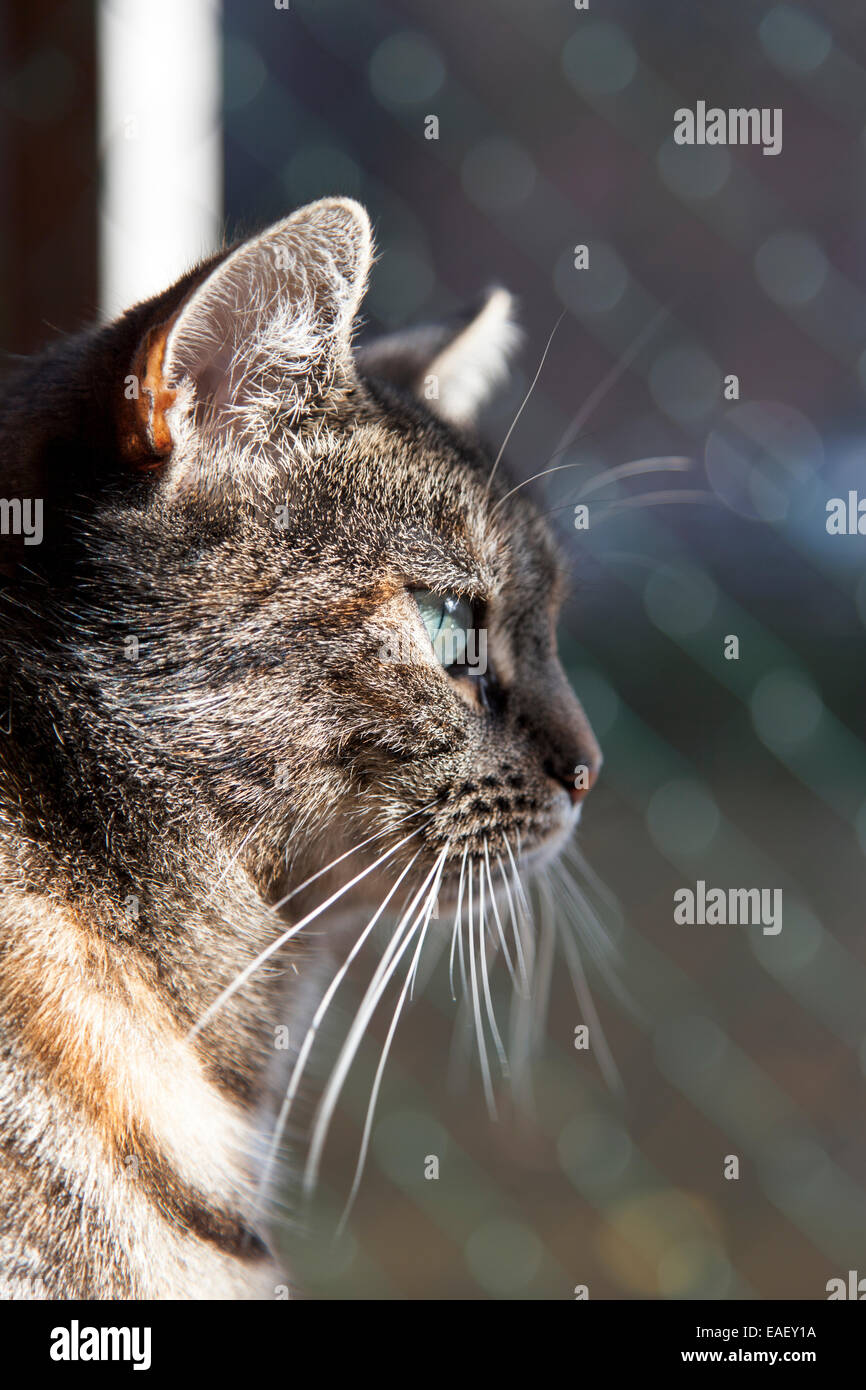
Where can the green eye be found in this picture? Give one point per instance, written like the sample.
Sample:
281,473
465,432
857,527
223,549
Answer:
448,620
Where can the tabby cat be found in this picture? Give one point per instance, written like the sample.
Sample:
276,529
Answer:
225,674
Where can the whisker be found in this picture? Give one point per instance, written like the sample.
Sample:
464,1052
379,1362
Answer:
375,989
431,903
520,891
605,951
672,464
662,464
523,404
557,468
495,906
606,1063
663,499
598,937
485,980
386,1048
476,1008
458,923
544,968
521,960
334,862
594,399
610,379
546,952
578,860
306,1048
520,1051
521,1018
460,949
249,970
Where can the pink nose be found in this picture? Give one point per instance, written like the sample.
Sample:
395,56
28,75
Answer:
578,793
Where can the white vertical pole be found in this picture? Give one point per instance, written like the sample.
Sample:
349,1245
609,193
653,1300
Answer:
160,142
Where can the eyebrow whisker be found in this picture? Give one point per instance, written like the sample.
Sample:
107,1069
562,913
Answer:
522,405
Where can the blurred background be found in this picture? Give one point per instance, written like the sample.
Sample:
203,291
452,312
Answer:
132,136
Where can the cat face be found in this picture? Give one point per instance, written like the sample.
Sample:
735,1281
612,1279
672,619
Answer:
341,626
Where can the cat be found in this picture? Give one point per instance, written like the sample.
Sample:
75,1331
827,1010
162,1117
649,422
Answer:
242,509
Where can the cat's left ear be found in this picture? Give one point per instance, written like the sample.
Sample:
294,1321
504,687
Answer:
454,368
265,335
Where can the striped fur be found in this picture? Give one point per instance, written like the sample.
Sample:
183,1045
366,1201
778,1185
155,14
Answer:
202,718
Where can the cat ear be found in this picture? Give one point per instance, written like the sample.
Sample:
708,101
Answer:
266,333
453,368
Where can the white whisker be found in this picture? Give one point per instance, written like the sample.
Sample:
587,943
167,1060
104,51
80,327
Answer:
523,403
495,907
301,1061
334,862
240,980
662,499
583,995
431,903
518,944
676,464
485,980
386,1048
544,970
520,1021
520,891
375,989
609,380
591,401
598,939
476,1008
578,860
589,930
458,924
543,473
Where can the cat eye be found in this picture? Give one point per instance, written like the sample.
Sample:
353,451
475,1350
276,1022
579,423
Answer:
448,619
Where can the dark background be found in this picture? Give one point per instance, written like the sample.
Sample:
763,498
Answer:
556,129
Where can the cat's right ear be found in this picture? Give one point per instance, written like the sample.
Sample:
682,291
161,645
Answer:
454,368
265,336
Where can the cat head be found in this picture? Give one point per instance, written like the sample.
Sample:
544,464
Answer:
278,582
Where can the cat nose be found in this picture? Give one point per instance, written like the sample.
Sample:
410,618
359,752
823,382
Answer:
578,793
568,749
578,779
